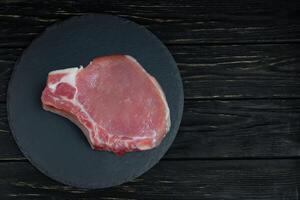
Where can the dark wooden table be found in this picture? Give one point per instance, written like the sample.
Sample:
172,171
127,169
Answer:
240,64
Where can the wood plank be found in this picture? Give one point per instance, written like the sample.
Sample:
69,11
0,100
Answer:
175,22
236,129
234,180
239,71
8,58
219,129
218,72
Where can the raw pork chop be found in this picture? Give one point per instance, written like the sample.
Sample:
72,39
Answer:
116,103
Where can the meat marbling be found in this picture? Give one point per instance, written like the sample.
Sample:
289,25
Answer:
116,103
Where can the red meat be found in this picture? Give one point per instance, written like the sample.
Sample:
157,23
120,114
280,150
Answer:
116,103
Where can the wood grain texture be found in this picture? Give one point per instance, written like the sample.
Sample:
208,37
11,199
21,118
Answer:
239,71
175,22
240,66
220,129
255,180
218,72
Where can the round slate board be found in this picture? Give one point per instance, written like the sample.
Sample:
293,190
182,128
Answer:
55,145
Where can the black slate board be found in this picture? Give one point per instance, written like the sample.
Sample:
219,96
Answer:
56,146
